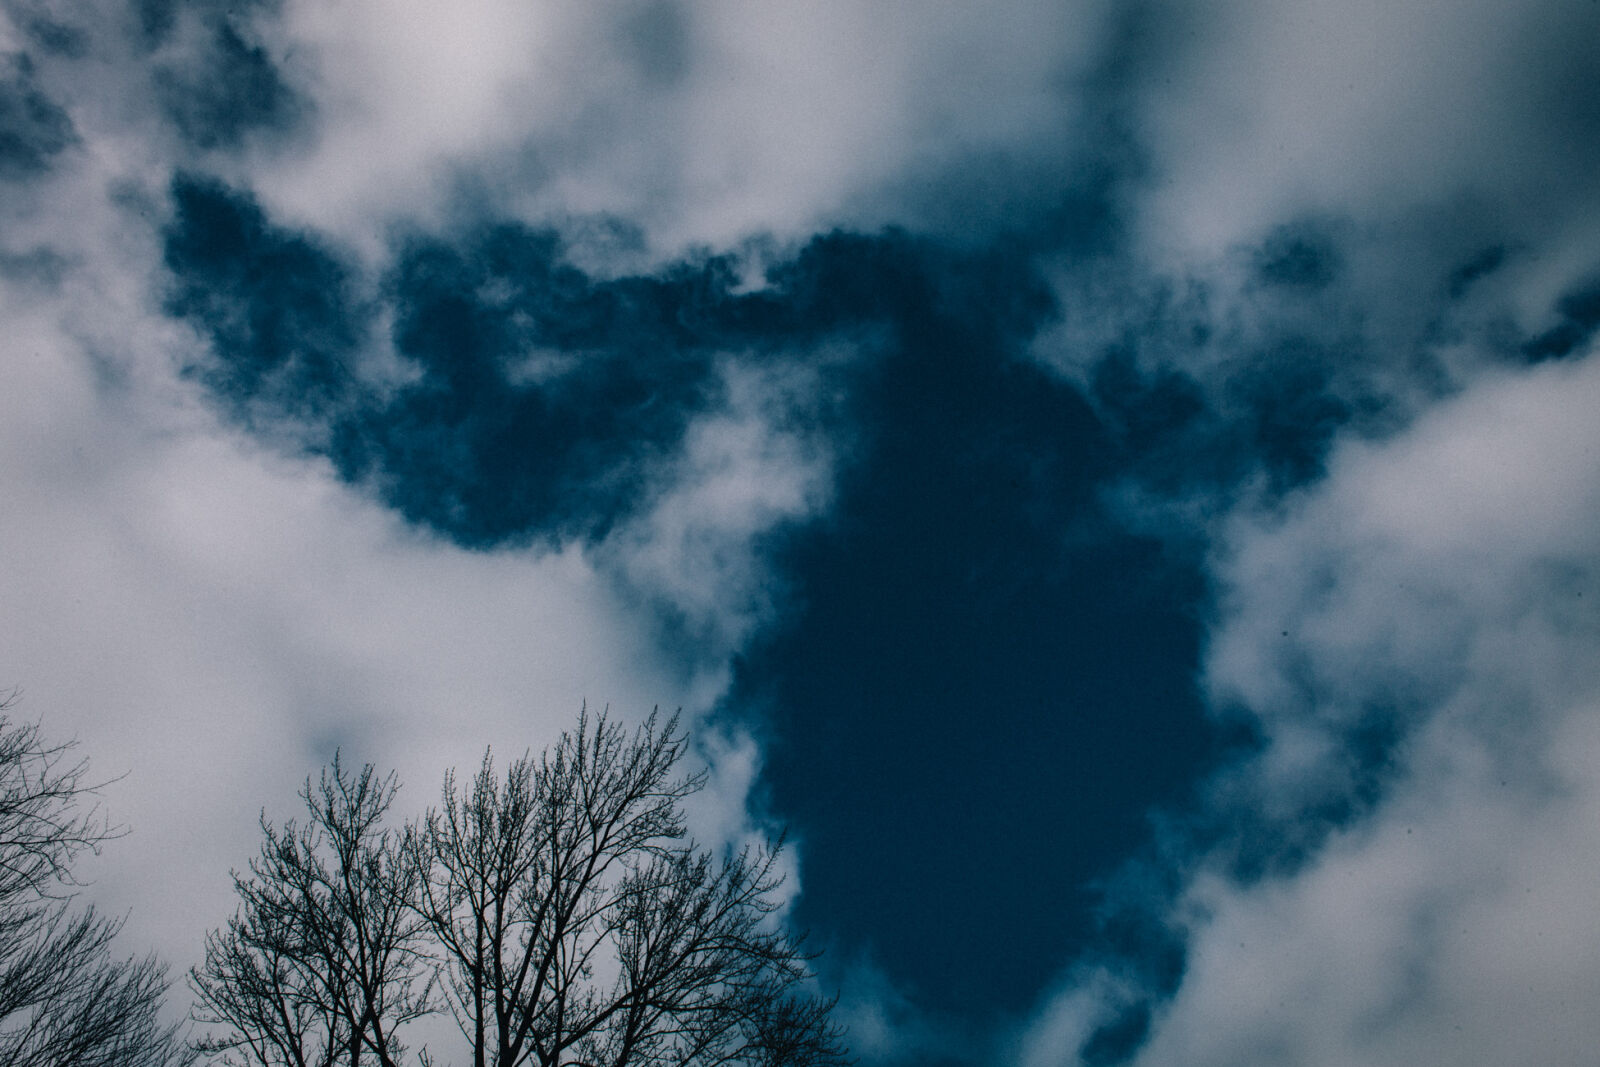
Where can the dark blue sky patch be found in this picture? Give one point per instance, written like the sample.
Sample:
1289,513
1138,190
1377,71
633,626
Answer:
1479,266
279,308
33,128
539,398
1302,256
1201,395
545,396
1161,421
1578,311
228,90
963,750
1292,410
986,684
155,19
1252,844
1277,414
840,280
50,34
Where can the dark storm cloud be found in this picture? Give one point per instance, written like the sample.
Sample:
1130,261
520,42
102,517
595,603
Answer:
33,128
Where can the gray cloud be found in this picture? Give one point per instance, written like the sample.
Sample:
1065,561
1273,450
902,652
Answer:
213,620
1265,112
703,121
1393,206
33,128
213,617
1451,574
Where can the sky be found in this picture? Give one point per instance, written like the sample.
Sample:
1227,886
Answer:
1117,481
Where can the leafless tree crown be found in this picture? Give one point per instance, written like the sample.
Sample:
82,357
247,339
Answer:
65,999
566,917
322,963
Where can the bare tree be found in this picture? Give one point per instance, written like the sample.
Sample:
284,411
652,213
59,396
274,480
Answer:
578,926
569,919
322,963
64,998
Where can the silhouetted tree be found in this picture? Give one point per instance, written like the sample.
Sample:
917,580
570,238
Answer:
578,926
568,918
322,962
64,998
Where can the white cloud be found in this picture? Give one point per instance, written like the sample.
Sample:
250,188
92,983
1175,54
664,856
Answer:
1266,111
212,618
756,461
1403,564
1447,578
703,121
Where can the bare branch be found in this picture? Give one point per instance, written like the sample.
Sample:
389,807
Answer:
64,998
569,919
323,963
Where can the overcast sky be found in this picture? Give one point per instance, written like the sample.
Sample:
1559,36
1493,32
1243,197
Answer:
1120,481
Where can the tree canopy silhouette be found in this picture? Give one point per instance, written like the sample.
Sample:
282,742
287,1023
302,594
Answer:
558,913
65,999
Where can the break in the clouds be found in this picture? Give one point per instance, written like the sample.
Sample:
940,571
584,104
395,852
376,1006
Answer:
33,128
1115,479
1439,590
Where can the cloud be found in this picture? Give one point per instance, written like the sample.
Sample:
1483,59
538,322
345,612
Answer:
378,370
1260,112
212,612
1380,898
213,620
755,463
701,121
33,128
1356,233
1423,555
219,86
